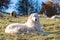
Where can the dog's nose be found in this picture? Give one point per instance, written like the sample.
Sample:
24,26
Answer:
35,19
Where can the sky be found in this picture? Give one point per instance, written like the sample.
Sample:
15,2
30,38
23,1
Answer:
12,5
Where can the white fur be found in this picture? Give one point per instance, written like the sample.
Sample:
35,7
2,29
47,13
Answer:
31,25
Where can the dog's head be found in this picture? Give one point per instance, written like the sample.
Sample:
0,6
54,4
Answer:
34,17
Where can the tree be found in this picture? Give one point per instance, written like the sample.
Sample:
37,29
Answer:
26,7
4,4
48,9
23,7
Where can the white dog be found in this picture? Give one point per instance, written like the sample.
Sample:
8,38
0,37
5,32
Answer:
32,25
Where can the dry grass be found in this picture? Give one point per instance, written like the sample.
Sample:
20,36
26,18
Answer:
49,25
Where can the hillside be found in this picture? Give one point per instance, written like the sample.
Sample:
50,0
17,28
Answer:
49,25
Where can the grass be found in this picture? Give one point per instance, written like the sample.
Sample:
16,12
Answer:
48,25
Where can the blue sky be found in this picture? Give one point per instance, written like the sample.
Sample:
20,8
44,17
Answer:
42,1
12,5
